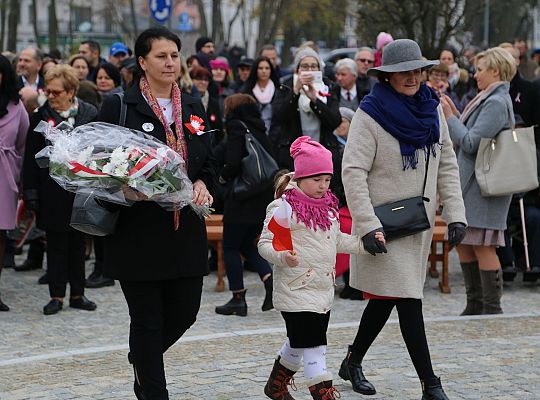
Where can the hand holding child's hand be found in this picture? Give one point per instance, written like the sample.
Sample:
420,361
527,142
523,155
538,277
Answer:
291,258
374,242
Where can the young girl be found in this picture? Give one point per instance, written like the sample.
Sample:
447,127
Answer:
304,277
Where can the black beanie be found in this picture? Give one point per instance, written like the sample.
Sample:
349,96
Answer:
201,42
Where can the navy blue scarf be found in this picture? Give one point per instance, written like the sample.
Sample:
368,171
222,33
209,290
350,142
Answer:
413,120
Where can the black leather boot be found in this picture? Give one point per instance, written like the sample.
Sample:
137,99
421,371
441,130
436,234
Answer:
351,370
432,390
235,306
492,291
268,289
473,288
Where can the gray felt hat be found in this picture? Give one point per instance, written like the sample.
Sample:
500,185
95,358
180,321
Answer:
402,55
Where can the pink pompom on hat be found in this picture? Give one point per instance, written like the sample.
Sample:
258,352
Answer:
383,39
310,158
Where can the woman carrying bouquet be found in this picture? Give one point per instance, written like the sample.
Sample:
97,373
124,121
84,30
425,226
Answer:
160,257
51,203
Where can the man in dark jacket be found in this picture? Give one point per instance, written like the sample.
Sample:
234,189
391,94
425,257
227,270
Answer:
364,59
28,66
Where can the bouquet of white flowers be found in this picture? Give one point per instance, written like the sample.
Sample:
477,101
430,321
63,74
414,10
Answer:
108,161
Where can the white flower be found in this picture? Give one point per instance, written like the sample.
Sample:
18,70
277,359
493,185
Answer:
121,170
108,168
92,165
85,154
119,156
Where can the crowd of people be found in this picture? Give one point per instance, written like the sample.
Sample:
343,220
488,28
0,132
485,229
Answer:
344,138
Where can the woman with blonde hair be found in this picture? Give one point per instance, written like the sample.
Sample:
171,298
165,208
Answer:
484,117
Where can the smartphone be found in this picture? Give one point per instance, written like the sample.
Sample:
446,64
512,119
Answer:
317,75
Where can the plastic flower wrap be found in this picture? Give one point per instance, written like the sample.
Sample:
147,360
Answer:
108,161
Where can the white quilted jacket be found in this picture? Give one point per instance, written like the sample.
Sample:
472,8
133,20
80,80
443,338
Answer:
310,285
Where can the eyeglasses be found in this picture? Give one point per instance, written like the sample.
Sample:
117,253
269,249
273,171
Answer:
365,60
308,67
55,93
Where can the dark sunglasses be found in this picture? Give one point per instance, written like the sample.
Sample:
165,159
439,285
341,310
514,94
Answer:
365,60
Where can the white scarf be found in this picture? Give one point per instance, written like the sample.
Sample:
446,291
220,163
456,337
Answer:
303,101
264,96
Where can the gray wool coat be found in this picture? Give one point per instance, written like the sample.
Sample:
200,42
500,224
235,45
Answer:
494,114
373,175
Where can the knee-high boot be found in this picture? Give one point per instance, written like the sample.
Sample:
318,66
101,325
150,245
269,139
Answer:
492,291
473,288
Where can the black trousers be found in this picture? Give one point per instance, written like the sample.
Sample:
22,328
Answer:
161,312
65,263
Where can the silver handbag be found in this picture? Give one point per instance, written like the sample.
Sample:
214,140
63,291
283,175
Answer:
507,163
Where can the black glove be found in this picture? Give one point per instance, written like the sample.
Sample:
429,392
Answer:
371,244
32,205
456,233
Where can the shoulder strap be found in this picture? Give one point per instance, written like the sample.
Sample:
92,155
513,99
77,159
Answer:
123,110
244,125
425,175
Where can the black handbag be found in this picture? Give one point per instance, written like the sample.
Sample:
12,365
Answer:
91,217
87,214
404,217
258,169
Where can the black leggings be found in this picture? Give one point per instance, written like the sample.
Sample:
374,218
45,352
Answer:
411,323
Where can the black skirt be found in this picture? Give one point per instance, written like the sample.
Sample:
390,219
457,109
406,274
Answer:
306,329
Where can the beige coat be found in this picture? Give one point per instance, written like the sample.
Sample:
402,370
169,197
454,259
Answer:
310,285
373,175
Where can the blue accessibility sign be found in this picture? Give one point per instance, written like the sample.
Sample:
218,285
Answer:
161,10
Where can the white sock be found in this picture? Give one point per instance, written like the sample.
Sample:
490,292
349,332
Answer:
314,362
289,355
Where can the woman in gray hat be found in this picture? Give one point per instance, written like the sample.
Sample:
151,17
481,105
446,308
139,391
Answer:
398,132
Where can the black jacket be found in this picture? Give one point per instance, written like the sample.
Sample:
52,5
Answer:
252,209
55,203
145,246
215,120
287,115
526,103
20,83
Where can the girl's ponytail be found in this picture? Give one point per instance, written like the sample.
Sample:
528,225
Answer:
281,181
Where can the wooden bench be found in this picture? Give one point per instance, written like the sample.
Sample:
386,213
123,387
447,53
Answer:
215,240
438,237
214,220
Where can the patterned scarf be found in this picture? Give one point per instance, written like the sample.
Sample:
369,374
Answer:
176,142
313,212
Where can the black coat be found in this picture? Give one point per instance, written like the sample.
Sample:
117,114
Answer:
20,83
526,103
55,203
145,246
252,209
287,115
215,120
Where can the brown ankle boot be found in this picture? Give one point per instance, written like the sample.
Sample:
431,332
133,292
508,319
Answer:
323,389
281,377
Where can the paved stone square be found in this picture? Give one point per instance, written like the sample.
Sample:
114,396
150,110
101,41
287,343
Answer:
82,355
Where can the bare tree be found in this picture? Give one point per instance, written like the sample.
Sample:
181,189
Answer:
13,23
430,22
53,25
269,13
239,7
34,22
203,29
217,22
133,17
3,15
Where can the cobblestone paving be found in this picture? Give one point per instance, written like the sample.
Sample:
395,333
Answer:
82,355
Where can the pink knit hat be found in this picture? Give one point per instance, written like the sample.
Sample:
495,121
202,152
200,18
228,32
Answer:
310,158
383,39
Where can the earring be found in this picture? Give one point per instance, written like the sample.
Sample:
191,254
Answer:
386,80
